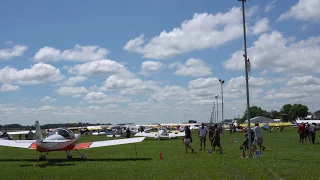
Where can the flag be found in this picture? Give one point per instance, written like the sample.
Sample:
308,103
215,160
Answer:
248,66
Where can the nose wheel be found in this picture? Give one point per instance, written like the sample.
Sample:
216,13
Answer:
42,157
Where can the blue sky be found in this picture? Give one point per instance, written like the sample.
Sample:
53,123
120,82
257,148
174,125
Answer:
153,61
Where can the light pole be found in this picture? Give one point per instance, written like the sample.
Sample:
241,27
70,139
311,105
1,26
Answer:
221,83
217,108
246,70
212,115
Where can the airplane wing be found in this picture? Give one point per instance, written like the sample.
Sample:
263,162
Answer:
145,134
177,134
107,143
20,132
27,144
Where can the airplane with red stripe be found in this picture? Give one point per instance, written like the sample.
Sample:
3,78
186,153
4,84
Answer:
62,139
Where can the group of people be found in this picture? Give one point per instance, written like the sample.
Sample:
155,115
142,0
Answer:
307,133
214,137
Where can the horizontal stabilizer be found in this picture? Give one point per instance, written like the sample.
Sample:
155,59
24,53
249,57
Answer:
56,141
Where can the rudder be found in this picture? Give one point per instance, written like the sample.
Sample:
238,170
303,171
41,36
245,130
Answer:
38,132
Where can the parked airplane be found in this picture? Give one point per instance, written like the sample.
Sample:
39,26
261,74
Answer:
7,135
268,126
62,139
161,134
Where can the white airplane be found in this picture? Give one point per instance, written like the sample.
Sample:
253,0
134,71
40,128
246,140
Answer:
62,139
161,134
7,135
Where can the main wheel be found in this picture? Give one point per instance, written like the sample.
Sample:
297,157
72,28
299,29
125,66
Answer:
84,157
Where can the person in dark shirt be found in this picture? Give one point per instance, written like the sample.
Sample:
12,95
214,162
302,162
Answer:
301,132
187,139
211,133
128,133
216,139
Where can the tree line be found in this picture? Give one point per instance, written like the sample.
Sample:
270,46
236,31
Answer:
288,112
47,126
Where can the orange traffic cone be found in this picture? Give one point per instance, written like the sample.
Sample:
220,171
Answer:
161,157
243,154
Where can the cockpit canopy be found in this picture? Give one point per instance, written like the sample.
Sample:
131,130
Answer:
66,133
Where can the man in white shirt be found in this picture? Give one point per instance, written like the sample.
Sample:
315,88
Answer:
202,135
259,137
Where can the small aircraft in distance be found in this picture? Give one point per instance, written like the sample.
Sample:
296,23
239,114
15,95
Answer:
161,134
7,135
62,139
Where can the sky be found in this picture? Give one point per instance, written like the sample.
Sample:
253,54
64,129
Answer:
154,61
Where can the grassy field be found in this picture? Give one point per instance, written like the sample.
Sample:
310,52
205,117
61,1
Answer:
284,158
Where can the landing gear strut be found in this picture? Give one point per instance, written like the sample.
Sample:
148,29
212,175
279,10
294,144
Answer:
69,154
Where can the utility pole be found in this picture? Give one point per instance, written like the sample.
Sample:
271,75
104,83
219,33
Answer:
221,83
212,115
247,79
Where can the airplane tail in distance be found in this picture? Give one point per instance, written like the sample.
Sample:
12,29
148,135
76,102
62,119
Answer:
38,132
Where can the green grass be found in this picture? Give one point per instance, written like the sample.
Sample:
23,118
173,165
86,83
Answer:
284,158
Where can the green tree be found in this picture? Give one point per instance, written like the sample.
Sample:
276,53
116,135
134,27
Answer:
254,112
298,110
286,108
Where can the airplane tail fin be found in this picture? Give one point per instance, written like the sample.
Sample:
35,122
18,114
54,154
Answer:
38,132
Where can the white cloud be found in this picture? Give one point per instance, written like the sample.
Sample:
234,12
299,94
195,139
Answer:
279,54
78,54
45,108
72,91
48,99
150,67
38,74
192,67
16,51
303,80
261,26
71,81
202,31
306,10
99,68
170,93
99,97
9,87
270,6
128,85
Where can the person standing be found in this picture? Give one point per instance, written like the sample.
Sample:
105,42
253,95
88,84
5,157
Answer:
259,136
202,135
216,139
313,132
128,133
211,134
301,132
30,135
187,139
